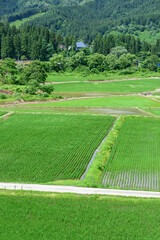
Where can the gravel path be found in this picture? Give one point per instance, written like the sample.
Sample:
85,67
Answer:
78,190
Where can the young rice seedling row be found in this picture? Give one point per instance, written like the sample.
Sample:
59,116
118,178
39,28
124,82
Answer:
135,158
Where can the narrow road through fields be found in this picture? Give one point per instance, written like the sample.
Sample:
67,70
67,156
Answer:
78,190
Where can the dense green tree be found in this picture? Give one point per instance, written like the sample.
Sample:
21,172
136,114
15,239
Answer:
78,59
118,51
3,47
29,42
57,62
35,71
152,62
123,62
96,61
8,71
48,88
111,62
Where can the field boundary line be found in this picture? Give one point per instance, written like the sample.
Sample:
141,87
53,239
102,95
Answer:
7,115
97,150
149,114
153,99
124,79
78,190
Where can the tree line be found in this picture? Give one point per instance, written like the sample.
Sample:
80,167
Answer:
39,43
104,44
30,42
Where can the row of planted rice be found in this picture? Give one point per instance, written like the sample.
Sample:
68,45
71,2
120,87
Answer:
46,147
135,158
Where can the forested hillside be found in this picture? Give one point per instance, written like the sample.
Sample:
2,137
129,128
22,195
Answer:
85,20
101,16
21,6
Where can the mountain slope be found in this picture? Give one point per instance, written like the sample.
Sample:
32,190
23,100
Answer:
101,16
17,6
98,16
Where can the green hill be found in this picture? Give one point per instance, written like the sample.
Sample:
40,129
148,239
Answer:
86,20
18,6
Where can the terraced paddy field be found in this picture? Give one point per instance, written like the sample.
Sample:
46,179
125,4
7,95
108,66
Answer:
154,111
134,162
157,94
46,147
80,110
74,78
115,105
54,216
118,101
130,86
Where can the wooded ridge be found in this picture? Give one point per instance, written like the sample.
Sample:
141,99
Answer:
85,18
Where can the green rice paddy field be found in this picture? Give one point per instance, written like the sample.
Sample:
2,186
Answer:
135,158
132,86
57,148
119,101
46,147
54,216
75,76
155,111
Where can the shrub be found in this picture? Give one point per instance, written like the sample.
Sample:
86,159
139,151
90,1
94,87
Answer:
45,94
18,90
3,96
126,71
18,96
48,88
30,89
94,70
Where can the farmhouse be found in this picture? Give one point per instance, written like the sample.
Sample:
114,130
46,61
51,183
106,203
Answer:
80,45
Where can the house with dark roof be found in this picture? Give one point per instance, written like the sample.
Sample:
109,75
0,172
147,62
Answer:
80,45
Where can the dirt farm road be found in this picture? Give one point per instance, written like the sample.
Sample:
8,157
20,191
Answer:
78,190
